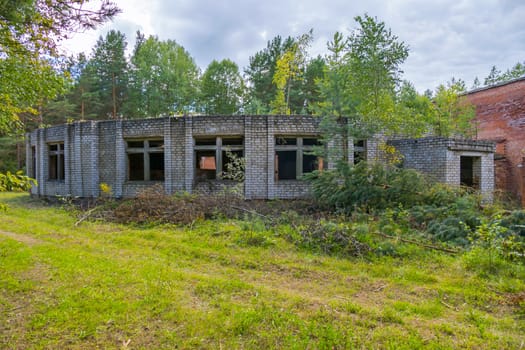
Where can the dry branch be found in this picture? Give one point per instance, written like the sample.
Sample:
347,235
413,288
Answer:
421,244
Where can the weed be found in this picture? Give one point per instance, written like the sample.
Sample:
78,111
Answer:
160,286
330,238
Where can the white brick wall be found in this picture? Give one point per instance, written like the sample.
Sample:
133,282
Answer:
95,152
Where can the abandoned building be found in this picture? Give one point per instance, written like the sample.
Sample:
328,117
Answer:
191,153
500,117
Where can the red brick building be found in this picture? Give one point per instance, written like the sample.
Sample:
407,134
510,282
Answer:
500,117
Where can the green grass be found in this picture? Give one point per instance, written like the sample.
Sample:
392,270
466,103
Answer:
233,284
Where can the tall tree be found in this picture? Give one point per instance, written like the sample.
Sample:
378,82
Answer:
260,73
310,93
375,58
164,79
222,88
29,33
363,71
107,71
289,71
336,101
417,111
83,94
452,113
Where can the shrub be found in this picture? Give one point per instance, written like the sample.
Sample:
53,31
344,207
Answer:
367,186
515,222
10,182
492,245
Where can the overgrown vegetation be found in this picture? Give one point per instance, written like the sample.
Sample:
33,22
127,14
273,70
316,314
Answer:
404,203
262,278
16,182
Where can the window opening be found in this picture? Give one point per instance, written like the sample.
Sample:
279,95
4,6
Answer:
56,162
294,157
211,155
145,160
359,151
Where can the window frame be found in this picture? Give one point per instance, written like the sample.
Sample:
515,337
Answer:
360,150
146,150
56,169
301,150
203,145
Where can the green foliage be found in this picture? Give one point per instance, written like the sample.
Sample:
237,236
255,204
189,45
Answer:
25,84
496,76
515,222
494,249
16,182
375,59
29,32
453,219
107,74
261,70
367,186
164,79
235,167
359,85
222,88
452,113
288,71
417,110
8,153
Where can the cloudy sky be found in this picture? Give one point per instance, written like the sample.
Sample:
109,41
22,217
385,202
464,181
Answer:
447,38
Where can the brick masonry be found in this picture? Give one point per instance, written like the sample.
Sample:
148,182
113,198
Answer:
95,153
500,117
441,159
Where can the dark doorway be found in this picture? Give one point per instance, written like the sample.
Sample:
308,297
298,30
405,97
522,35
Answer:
470,171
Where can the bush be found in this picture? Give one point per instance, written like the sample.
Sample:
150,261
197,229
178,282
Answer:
492,246
368,186
451,222
515,222
10,182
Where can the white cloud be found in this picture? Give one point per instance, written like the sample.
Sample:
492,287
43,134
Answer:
460,38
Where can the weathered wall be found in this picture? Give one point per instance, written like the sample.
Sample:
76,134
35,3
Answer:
95,153
440,158
500,116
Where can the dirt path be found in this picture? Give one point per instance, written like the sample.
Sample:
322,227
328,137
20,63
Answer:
22,238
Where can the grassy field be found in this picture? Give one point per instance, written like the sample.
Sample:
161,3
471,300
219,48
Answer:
212,285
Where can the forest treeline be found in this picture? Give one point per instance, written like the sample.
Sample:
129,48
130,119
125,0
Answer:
160,77
358,77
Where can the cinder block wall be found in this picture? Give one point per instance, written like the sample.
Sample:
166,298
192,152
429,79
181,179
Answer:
441,159
95,153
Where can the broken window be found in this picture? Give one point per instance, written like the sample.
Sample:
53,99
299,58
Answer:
470,171
145,160
294,157
213,154
56,161
359,151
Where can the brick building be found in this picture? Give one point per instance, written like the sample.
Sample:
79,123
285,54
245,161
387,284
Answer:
190,153
500,117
